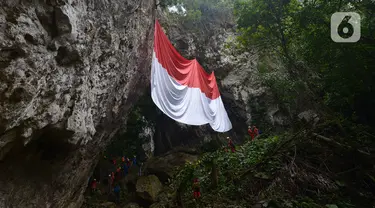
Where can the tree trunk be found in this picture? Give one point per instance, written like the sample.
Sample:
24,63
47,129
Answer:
214,175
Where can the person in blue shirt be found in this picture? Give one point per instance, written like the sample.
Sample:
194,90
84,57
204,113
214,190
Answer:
116,190
134,160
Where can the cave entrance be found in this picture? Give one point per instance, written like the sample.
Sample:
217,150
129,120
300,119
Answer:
52,144
39,159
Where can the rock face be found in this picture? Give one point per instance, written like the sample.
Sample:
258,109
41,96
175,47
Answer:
148,187
69,72
246,98
165,165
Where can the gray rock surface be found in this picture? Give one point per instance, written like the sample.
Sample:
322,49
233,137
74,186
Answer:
164,166
69,72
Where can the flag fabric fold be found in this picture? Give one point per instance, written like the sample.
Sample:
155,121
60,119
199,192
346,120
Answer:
182,89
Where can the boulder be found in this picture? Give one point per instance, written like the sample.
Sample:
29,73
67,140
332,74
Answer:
148,187
165,166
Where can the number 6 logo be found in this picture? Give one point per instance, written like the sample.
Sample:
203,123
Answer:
345,27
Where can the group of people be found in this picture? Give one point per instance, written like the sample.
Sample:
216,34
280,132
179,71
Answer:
126,164
121,170
252,131
116,173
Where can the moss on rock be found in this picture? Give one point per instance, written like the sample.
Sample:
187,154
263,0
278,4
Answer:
148,187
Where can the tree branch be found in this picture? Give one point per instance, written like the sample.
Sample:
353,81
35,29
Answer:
339,144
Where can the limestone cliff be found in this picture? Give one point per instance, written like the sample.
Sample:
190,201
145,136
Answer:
69,72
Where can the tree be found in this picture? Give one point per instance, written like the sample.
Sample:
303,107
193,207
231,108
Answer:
300,31
266,23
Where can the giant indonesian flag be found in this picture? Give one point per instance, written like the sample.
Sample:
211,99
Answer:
182,89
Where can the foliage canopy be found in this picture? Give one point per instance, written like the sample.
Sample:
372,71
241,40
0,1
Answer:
300,32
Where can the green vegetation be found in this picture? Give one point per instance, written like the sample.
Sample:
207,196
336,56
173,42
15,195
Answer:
290,170
230,168
338,75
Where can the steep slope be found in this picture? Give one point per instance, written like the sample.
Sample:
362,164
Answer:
69,72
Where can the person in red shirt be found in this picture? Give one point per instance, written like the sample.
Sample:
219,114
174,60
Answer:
231,145
118,174
256,131
93,185
251,133
196,189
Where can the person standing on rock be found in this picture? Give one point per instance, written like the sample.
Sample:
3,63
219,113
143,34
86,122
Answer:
231,145
196,189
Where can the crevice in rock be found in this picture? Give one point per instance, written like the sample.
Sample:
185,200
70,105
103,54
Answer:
54,21
62,22
10,53
30,39
47,20
67,56
19,94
